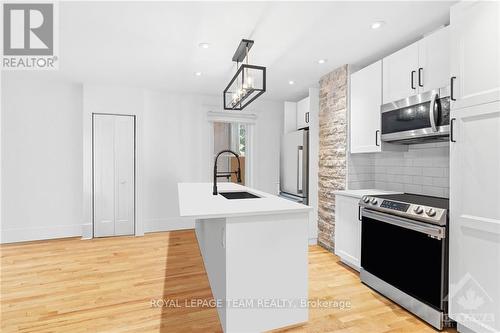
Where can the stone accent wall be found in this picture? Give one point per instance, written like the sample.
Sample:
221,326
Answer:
333,101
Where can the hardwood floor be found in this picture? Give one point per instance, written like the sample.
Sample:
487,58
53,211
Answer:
110,284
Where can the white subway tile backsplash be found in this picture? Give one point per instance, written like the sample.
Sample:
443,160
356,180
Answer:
433,190
423,162
427,180
395,170
355,185
395,178
447,172
433,172
440,181
412,188
413,171
423,169
395,187
407,179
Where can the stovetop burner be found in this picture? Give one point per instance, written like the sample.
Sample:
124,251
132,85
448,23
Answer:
417,199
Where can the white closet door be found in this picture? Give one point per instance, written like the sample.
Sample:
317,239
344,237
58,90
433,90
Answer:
104,183
113,175
124,175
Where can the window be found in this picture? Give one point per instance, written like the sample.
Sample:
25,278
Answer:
231,136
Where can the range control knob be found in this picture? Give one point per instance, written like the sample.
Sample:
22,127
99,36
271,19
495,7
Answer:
431,212
373,201
366,199
418,210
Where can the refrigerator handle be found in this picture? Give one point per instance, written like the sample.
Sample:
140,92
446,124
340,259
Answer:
300,151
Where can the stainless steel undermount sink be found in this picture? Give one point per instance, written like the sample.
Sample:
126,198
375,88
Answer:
238,195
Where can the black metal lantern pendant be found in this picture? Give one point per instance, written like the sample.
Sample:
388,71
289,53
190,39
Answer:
248,83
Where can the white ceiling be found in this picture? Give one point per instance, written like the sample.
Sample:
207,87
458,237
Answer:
155,44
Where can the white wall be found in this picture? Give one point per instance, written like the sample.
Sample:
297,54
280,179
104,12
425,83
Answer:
171,147
114,100
423,169
176,150
290,125
267,136
41,158
313,163
46,153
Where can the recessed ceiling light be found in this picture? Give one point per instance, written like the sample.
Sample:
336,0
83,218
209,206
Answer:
197,73
291,82
204,45
322,61
377,24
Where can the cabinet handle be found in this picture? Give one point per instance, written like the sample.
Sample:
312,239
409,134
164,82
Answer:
376,137
412,79
420,75
452,121
307,117
359,213
452,90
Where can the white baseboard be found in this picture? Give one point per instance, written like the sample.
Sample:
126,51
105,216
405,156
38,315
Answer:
85,230
168,224
40,233
313,241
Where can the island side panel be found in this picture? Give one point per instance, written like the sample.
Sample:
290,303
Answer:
211,236
266,259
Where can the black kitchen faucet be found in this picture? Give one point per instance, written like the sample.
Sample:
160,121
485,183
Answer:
227,173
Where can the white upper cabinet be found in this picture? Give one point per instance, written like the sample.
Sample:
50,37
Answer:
400,74
303,114
475,52
434,61
420,67
366,98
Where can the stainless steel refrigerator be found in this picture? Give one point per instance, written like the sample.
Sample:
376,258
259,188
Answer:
294,166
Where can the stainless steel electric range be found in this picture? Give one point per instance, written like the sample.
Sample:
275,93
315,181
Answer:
404,252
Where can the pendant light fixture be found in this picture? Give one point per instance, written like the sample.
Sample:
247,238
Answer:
249,81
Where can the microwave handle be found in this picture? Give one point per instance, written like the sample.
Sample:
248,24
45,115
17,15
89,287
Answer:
432,111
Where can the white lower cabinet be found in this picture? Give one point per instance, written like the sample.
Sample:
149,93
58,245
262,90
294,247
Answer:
348,230
474,293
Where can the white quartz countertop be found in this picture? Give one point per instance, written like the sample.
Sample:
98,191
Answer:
197,201
359,193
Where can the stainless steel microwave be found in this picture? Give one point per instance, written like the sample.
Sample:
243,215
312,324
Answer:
417,119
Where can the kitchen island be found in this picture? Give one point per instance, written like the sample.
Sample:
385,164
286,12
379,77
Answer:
255,255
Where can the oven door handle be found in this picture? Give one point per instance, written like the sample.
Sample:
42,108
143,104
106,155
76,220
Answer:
425,228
